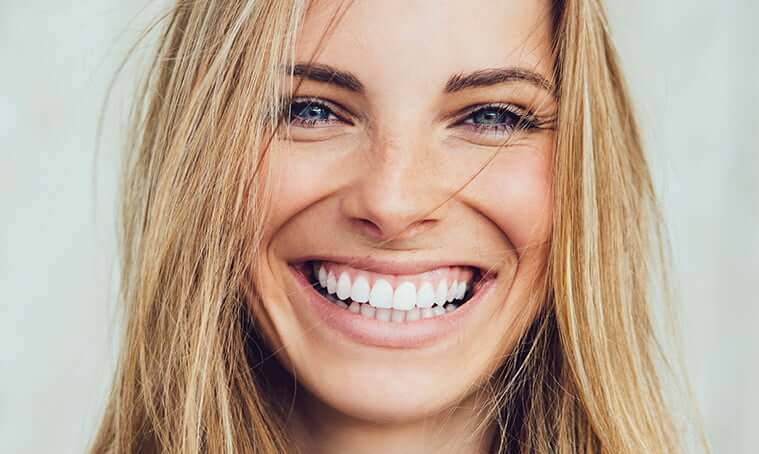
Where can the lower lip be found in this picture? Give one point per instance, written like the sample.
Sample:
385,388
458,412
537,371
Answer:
373,332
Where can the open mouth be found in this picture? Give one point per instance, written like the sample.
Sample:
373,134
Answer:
396,298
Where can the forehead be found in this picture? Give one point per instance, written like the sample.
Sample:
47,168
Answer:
423,42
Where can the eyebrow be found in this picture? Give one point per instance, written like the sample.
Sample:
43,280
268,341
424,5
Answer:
493,76
480,78
328,74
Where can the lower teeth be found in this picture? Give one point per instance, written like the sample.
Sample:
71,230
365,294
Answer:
395,315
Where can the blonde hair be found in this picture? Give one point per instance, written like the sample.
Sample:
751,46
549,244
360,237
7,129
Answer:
584,379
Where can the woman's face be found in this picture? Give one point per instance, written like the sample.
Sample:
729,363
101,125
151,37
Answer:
403,243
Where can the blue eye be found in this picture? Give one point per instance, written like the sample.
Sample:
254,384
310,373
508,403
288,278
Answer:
499,117
311,113
491,116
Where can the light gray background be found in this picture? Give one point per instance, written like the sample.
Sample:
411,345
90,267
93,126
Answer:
693,71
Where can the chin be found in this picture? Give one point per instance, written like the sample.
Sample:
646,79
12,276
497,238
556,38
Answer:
389,393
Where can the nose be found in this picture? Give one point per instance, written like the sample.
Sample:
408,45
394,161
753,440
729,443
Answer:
395,196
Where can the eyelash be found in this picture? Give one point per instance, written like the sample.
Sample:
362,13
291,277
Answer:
513,118
290,113
519,118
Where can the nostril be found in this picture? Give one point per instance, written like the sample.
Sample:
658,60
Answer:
368,228
374,231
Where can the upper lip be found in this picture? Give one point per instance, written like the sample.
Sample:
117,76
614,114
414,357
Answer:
394,266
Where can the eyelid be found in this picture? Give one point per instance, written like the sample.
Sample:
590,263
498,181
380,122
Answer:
463,114
340,111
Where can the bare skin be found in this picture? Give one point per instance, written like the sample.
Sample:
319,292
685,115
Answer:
379,163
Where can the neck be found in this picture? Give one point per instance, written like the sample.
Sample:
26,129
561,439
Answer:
320,429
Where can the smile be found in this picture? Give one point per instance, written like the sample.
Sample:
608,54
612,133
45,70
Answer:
394,298
392,304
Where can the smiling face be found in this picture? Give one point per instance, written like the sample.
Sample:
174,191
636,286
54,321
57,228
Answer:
404,242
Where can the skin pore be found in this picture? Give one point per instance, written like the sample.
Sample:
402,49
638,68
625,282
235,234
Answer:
397,108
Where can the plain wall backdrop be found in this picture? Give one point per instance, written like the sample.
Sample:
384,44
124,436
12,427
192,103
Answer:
691,68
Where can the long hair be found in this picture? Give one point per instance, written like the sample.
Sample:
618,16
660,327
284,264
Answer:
584,378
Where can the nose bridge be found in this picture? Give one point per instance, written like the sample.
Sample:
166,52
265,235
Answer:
394,194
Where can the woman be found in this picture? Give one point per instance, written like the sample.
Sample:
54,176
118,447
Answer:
390,226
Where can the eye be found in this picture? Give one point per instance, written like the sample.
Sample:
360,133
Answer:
312,113
498,118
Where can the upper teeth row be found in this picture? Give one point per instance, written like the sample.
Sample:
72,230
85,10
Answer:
382,295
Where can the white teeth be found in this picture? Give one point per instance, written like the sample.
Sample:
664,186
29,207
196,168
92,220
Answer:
406,302
344,286
331,283
441,293
383,315
360,290
322,276
452,291
461,291
426,295
396,315
367,311
404,297
382,294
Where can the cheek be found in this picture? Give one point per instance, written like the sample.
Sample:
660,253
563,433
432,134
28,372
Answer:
299,178
291,183
514,192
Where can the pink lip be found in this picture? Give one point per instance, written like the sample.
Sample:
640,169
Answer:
384,266
372,332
